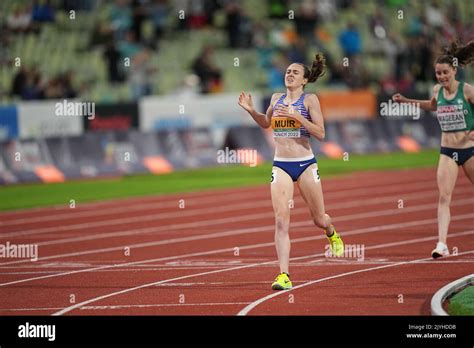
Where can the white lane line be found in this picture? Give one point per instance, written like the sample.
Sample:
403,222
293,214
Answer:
376,213
131,306
141,218
156,217
29,309
216,251
342,205
123,209
162,305
81,304
324,263
124,203
254,304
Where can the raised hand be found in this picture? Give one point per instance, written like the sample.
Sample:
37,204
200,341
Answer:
398,98
246,102
285,111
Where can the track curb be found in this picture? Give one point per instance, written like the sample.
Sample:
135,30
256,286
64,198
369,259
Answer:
440,296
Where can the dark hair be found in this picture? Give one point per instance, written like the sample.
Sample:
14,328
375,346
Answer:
463,53
316,70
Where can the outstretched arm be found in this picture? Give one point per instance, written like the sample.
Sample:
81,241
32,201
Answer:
428,105
263,120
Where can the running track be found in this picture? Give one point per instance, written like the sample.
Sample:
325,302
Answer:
215,256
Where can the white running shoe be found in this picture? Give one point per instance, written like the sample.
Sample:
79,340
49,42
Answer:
440,250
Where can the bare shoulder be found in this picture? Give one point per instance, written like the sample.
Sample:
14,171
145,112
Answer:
311,99
436,90
468,91
275,97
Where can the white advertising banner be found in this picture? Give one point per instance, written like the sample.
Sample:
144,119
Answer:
214,111
41,119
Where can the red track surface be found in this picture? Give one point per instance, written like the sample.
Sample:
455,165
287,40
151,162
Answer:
216,255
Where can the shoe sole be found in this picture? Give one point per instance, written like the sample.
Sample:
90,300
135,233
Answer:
436,255
279,287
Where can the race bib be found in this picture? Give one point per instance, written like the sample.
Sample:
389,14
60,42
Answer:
451,117
285,127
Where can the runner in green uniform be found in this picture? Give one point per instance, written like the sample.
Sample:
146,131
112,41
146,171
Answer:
453,102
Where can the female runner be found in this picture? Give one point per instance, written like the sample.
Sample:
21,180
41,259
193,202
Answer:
294,117
452,100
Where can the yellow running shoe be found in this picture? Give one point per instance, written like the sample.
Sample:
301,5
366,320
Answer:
336,244
282,282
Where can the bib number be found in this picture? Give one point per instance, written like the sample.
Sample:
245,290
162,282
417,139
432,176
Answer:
274,176
285,127
316,176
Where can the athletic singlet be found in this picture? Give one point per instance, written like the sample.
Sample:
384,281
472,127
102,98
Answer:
287,127
456,114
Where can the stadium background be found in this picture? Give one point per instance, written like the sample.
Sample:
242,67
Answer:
164,77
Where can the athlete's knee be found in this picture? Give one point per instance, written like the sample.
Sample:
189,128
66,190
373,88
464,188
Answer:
444,198
281,225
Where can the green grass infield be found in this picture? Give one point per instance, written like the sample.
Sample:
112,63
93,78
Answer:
224,176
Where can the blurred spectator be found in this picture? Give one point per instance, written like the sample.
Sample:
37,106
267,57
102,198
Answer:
84,5
53,89
5,51
140,76
276,72
20,20
297,51
406,85
189,87
209,74
159,13
418,26
197,14
350,41
120,16
434,15
101,35
112,57
326,10
377,24
355,75
66,85
31,89
393,49
211,7
238,26
19,82
139,11
335,71
420,58
43,11
306,20
129,46
388,84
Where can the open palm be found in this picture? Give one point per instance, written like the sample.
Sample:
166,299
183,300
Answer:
245,101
